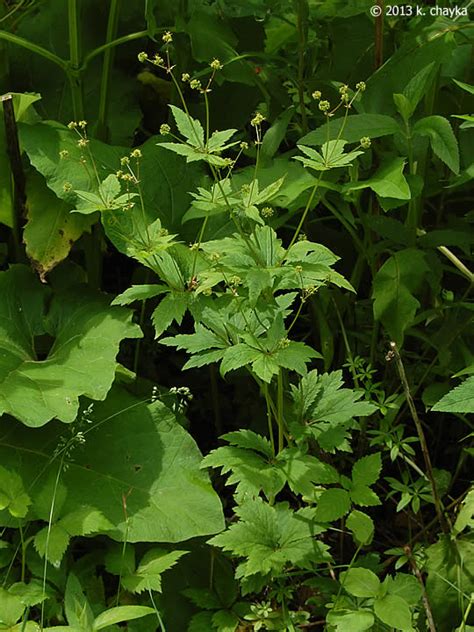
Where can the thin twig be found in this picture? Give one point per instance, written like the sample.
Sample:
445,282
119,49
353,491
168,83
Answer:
421,435
424,596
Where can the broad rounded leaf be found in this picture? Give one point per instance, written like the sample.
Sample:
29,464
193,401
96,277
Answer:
394,611
51,229
361,525
351,620
38,384
360,582
135,455
332,505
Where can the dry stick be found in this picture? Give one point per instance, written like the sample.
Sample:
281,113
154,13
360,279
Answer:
424,596
421,435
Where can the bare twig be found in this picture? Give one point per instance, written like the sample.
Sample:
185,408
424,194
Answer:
394,353
424,596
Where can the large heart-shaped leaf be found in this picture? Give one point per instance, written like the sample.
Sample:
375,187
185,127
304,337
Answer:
55,347
138,466
165,178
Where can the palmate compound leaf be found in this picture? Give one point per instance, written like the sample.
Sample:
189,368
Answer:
81,361
272,536
254,468
52,541
148,574
325,410
12,494
196,147
135,455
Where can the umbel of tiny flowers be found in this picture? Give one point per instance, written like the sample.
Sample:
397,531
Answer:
365,142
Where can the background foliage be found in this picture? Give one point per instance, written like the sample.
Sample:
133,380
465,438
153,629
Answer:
289,296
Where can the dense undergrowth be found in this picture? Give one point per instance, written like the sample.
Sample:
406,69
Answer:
235,316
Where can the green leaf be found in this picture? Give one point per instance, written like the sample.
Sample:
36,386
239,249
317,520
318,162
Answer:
225,621
139,293
276,133
331,156
450,569
11,608
81,361
351,620
171,308
190,128
250,471
332,505
325,409
201,622
269,537
120,614
360,582
465,517
394,612
388,181
460,399
366,471
249,440
465,86
84,521
442,139
148,574
21,105
356,126
238,356
165,180
361,525
394,287
51,229
76,605
52,543
416,89
150,462
12,494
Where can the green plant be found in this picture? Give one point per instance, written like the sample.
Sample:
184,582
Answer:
296,283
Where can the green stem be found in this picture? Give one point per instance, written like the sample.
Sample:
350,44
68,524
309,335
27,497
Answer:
302,12
23,552
112,25
421,436
34,48
112,44
269,417
73,72
280,410
412,217
50,522
464,270
305,213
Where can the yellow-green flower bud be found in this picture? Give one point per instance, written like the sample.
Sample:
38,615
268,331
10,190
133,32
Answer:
216,64
324,106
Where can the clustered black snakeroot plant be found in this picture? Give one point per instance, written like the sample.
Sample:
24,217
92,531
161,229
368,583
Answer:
232,288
